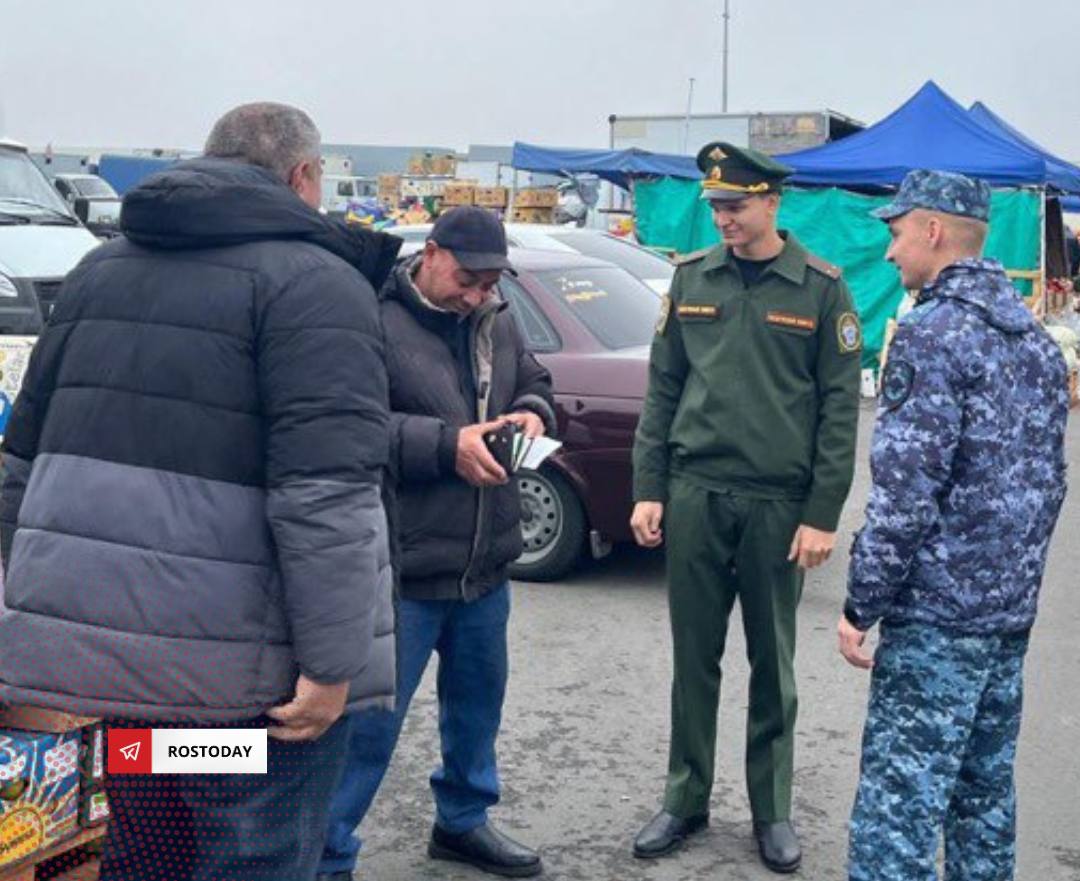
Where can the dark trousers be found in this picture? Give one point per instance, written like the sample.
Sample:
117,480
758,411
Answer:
470,639
225,827
722,547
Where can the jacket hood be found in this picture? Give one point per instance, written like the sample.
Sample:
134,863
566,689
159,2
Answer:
211,203
982,284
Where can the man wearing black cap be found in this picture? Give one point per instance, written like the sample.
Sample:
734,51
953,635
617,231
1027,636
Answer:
744,453
458,370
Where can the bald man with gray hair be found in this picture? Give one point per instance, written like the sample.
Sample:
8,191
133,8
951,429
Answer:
214,381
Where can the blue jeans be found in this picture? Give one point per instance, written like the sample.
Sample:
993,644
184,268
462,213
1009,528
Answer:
225,827
471,641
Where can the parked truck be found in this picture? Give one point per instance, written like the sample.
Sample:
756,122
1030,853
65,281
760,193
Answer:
124,172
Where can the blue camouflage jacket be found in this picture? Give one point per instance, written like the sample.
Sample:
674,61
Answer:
967,462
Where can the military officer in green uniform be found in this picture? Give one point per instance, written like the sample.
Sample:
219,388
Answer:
743,459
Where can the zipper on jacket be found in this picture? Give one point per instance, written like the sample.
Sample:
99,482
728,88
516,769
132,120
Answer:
483,388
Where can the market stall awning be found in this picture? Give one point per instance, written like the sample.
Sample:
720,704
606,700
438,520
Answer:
1060,174
930,130
616,166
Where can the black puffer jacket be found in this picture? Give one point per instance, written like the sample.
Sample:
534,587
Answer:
190,513
453,541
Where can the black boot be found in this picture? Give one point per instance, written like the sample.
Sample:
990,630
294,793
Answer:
778,845
665,832
486,848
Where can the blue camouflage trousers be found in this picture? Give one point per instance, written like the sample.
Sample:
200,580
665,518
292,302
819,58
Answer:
937,757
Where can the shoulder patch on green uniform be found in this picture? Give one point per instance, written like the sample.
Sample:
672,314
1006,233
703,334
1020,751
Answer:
848,332
823,266
665,313
691,257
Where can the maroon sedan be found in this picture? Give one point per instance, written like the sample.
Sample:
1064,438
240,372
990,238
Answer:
590,323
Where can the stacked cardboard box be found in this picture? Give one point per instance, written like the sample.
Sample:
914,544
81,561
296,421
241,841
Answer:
536,197
532,215
490,197
445,164
93,804
456,194
429,163
39,791
389,188
52,770
535,205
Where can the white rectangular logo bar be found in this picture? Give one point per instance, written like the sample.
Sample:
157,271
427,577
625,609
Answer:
209,751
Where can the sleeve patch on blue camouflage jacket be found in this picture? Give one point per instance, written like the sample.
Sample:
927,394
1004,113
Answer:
896,382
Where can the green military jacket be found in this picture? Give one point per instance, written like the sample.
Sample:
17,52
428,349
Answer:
754,390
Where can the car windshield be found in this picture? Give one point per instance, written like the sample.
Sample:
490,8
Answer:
24,189
618,309
93,187
639,261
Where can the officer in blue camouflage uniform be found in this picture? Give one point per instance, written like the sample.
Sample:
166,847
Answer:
968,478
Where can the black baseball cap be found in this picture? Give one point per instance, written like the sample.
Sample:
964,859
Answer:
475,236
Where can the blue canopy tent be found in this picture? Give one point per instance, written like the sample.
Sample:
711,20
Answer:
614,166
929,130
1062,175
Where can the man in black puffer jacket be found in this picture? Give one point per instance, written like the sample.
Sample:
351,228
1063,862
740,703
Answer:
458,369
191,517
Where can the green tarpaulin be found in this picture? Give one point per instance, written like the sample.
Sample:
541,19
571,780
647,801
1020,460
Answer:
837,226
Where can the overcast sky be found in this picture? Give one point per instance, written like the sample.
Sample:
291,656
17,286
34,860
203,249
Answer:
455,72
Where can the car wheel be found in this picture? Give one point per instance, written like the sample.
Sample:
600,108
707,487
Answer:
552,526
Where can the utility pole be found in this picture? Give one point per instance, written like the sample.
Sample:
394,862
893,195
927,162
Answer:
686,124
727,18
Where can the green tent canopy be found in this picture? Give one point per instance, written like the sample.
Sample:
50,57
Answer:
836,225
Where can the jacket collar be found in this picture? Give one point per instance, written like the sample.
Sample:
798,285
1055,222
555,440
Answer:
981,284
790,263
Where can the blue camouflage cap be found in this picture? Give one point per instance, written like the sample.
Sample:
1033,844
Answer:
943,191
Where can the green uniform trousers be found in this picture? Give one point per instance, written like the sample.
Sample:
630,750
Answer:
721,546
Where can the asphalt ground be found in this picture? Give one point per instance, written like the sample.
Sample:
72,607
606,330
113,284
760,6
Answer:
583,746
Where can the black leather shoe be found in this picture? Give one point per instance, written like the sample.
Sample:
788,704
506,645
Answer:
334,876
778,846
486,848
665,832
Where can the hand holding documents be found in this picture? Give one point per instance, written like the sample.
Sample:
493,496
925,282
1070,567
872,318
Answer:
530,452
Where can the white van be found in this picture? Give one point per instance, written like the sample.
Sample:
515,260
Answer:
40,242
338,190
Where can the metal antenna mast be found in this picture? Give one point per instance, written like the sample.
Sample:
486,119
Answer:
727,17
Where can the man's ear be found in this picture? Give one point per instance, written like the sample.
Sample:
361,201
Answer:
300,172
935,231
296,175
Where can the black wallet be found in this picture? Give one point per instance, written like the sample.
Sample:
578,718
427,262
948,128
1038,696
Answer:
500,444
